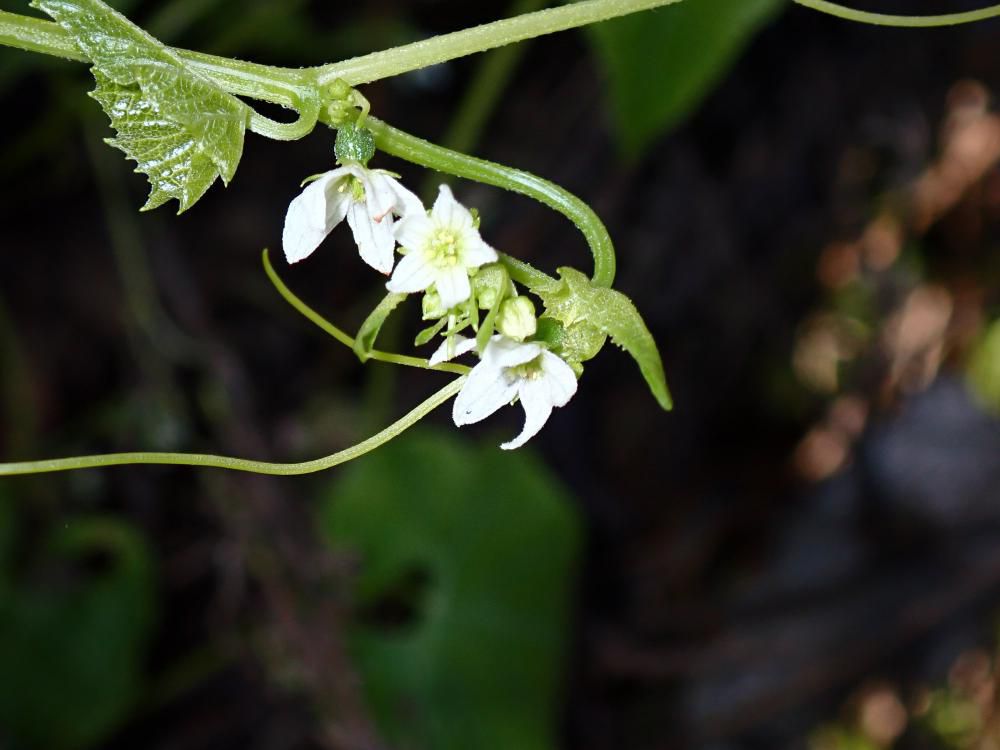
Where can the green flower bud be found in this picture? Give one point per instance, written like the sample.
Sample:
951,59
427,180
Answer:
340,89
516,318
432,307
490,285
354,144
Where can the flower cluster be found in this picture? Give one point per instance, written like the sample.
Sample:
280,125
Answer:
464,284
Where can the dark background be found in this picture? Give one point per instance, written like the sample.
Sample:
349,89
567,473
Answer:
809,539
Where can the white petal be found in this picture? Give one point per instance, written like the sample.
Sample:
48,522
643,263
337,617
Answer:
448,212
406,203
559,378
379,197
312,214
535,398
458,345
414,230
502,351
486,390
477,253
374,239
356,170
413,274
453,285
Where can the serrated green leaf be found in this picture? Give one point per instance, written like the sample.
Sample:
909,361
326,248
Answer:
660,64
574,301
364,342
181,129
479,547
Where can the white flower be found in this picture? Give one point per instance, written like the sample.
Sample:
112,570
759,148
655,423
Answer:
442,248
539,378
368,198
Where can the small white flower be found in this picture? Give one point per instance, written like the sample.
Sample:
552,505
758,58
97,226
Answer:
368,198
539,378
442,248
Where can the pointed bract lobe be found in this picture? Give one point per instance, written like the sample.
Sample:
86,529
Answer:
574,301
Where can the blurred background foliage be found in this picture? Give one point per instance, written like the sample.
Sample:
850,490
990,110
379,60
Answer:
468,558
803,554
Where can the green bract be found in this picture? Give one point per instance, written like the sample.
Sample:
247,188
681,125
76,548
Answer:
180,128
588,312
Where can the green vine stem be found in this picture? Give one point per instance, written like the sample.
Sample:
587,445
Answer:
238,464
306,89
418,151
486,87
912,22
286,86
392,62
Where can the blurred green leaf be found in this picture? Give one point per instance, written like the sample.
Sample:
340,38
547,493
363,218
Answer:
984,368
956,719
73,632
468,557
838,737
661,63
7,538
180,128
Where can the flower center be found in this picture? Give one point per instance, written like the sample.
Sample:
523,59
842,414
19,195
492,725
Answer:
354,187
445,247
531,370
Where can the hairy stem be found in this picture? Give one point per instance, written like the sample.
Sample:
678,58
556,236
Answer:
484,92
392,62
306,88
405,146
913,22
285,86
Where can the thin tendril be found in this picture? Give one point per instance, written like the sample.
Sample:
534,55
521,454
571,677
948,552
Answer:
265,467
308,113
882,19
314,317
238,464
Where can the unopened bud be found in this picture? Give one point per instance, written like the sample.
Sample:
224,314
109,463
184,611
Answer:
516,318
431,306
489,285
